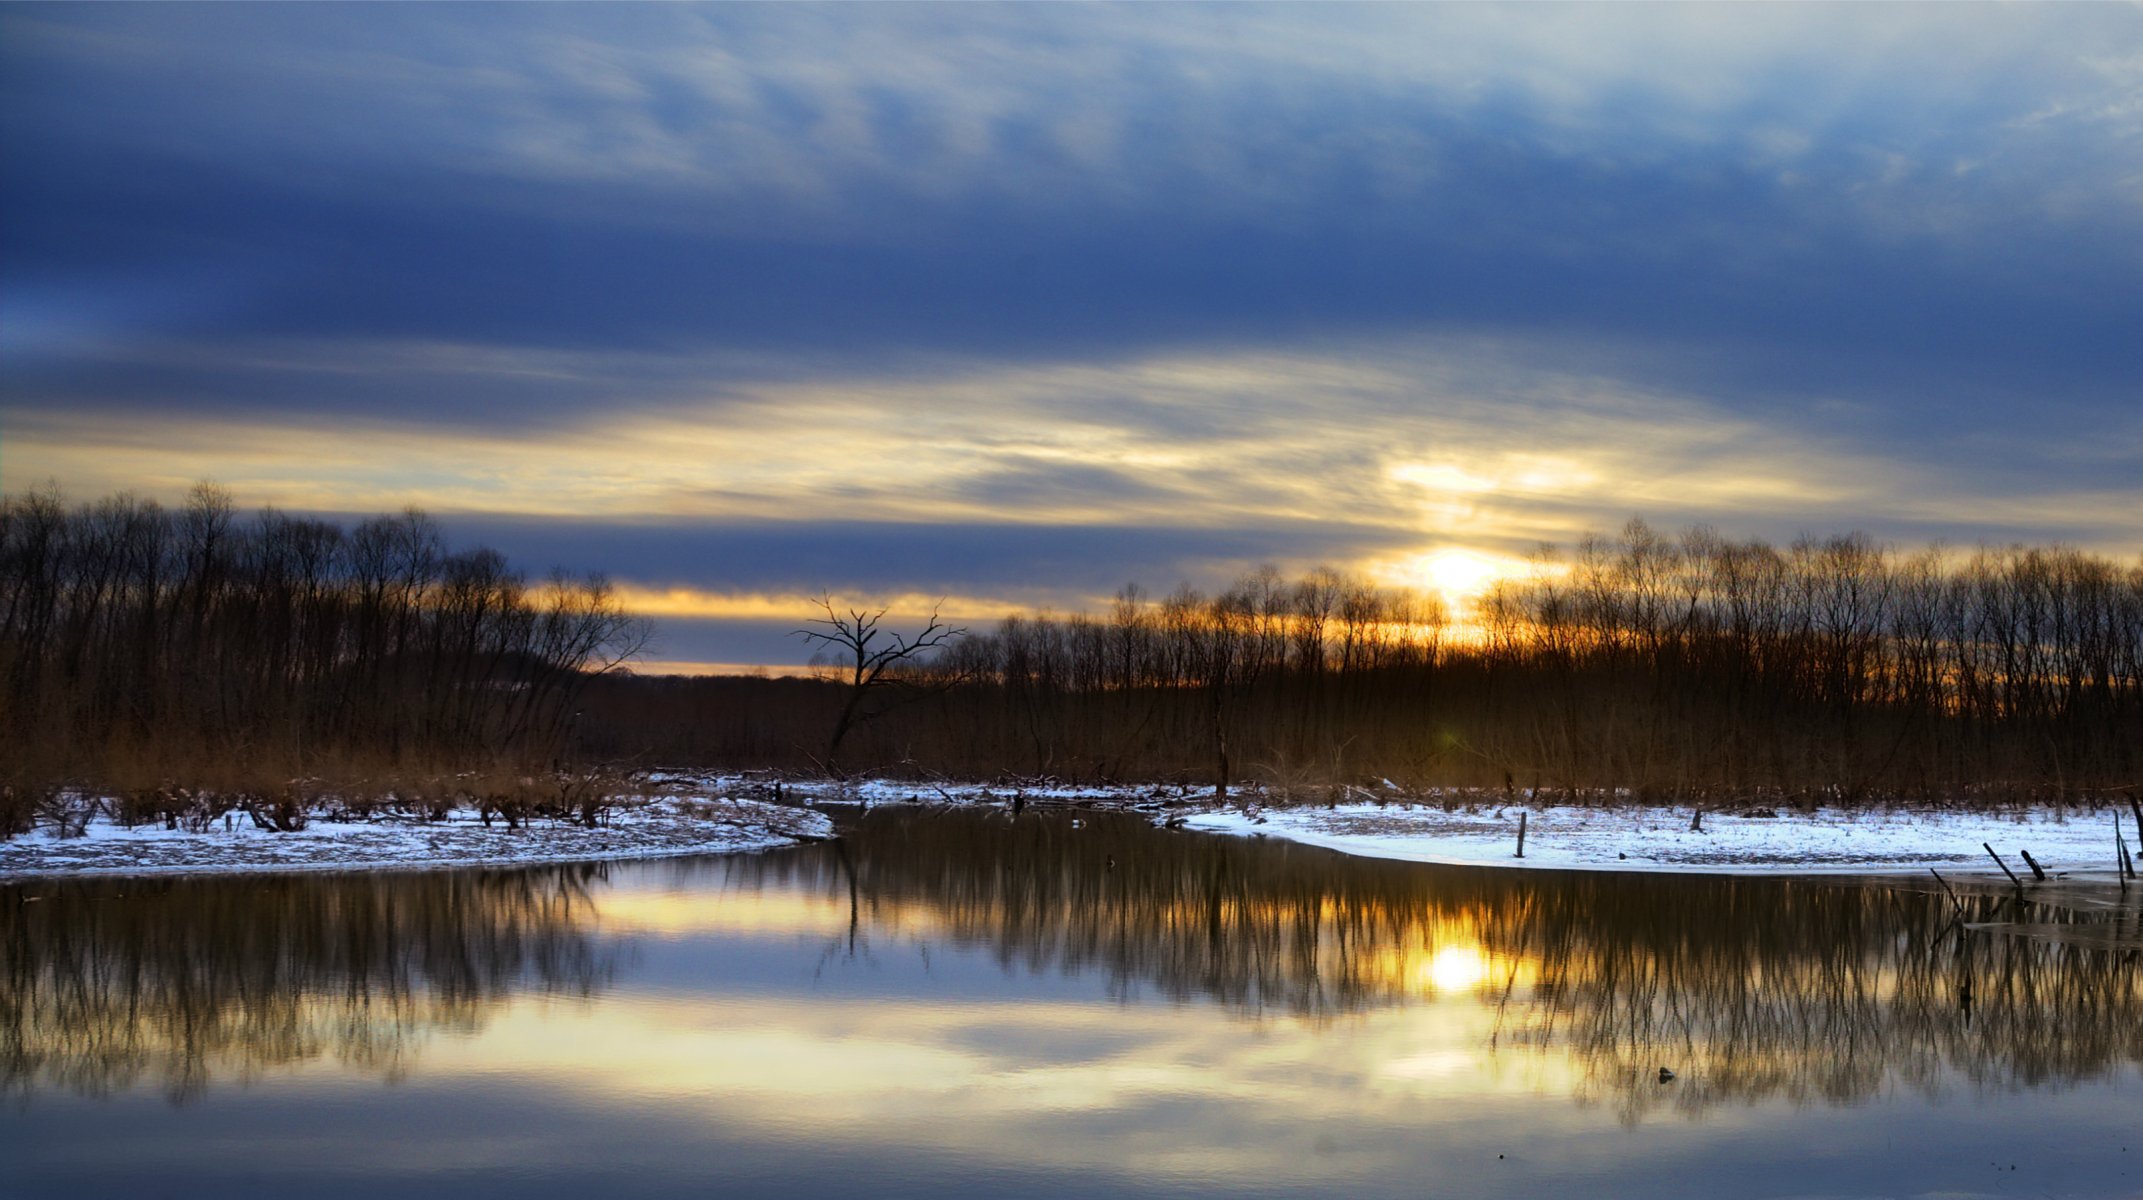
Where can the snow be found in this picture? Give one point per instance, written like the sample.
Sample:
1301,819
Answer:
1418,827
1825,841
910,791
654,827
712,813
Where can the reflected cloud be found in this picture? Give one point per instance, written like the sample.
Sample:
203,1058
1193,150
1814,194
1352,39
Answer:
1018,1082
850,981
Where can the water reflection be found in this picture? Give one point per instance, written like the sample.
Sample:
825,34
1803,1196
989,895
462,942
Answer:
1749,989
111,985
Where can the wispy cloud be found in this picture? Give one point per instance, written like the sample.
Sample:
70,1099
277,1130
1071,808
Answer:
1038,298
1494,444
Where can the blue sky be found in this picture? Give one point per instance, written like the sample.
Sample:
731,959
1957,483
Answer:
1014,304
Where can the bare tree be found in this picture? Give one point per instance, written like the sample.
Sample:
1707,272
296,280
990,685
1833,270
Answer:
870,657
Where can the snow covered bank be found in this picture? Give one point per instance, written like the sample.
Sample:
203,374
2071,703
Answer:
1480,832
710,813
657,827
1827,841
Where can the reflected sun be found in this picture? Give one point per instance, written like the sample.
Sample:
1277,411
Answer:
1455,968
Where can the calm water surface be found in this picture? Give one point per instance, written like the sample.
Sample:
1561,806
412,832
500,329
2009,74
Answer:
962,1003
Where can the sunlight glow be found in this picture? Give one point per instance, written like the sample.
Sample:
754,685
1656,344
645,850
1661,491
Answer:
1455,969
1442,477
798,607
1457,574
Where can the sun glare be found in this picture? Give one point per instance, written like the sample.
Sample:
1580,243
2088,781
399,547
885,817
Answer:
1457,575
1455,968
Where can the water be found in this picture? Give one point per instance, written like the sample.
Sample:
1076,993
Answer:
964,1004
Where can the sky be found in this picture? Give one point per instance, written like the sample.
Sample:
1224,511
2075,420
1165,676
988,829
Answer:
1007,306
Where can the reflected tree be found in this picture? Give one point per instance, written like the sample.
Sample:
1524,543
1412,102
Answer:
108,986
1809,991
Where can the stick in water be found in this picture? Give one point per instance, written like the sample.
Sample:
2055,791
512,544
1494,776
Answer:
2004,866
2128,863
1521,835
1954,901
2029,861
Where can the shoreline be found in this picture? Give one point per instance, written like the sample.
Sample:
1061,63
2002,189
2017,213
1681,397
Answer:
1827,843
1469,829
693,813
661,827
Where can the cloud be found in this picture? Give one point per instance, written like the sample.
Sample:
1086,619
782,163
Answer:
1047,470
1035,183
1025,301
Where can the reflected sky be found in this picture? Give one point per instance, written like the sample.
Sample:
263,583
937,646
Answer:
1016,304
962,1002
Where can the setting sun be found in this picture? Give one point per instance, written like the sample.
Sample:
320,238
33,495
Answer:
1456,575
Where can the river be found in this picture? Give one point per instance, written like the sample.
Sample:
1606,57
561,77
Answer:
967,1003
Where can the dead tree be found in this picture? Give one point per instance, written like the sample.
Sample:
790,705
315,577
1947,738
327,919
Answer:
869,657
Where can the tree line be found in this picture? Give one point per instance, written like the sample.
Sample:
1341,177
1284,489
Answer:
1671,668
1696,664
142,645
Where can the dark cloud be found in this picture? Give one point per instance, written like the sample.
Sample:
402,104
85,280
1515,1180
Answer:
1049,563
1026,484
1785,284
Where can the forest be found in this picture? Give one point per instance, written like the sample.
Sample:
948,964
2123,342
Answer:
1684,668
149,653
145,650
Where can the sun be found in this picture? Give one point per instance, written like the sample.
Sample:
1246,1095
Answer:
1458,572
1455,574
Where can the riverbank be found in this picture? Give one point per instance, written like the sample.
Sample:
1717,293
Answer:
687,813
1481,829
1758,841
653,827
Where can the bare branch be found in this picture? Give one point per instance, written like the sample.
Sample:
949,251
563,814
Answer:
869,656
